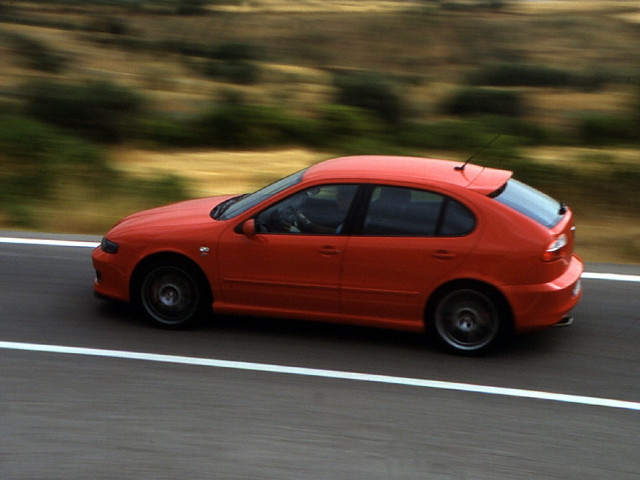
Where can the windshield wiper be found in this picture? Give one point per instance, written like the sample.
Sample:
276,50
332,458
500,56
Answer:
222,207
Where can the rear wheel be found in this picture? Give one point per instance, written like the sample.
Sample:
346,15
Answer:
172,295
467,321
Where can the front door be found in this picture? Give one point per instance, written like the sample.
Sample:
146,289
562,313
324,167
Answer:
292,262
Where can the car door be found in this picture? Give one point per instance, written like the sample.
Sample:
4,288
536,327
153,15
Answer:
410,240
291,261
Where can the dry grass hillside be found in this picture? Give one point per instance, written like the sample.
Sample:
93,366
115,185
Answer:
429,50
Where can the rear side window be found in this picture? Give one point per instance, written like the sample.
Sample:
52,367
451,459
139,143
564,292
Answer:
406,212
530,202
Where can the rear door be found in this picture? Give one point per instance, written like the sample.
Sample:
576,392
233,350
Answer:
410,240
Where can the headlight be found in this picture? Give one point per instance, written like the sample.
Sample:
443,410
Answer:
107,246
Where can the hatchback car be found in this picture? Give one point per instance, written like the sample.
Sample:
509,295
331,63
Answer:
462,251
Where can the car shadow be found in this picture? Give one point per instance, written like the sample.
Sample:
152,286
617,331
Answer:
270,330
311,330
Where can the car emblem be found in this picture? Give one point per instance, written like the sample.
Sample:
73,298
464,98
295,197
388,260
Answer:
204,251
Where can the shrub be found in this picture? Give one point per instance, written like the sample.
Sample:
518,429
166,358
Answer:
473,100
598,129
97,110
343,121
241,72
233,62
236,51
169,131
40,164
444,135
244,125
111,25
369,91
191,7
526,132
36,54
532,75
36,159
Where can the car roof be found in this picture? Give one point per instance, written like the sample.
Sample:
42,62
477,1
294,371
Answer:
428,171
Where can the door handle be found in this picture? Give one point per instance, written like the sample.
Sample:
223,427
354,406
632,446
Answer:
443,255
328,250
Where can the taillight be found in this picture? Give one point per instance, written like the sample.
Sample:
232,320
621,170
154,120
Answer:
556,249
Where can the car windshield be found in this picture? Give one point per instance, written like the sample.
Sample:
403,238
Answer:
237,205
530,202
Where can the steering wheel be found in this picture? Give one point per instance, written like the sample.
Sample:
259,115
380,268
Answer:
290,217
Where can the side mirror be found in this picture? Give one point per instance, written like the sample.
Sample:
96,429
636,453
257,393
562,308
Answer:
249,227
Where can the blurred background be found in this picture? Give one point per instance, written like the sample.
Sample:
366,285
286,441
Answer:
111,106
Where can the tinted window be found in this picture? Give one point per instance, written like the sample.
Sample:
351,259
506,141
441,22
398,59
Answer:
317,210
530,202
457,220
399,211
402,211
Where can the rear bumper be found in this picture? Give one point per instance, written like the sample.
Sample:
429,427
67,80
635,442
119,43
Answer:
536,307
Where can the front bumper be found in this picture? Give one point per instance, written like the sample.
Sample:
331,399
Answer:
111,280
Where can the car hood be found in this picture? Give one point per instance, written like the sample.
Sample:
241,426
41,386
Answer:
181,214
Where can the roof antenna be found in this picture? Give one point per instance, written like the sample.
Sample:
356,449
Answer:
461,167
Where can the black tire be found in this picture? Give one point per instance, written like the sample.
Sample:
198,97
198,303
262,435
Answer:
468,321
172,295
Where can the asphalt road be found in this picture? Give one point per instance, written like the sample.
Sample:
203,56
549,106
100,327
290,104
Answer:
70,414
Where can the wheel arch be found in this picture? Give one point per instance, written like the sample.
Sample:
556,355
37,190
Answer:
166,257
495,294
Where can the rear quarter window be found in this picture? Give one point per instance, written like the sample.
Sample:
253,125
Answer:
536,205
457,220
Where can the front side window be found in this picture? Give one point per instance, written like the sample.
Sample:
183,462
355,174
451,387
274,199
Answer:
400,211
318,210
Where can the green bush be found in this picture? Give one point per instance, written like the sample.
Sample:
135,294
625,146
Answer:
169,131
244,125
444,135
236,51
191,7
370,91
36,54
242,72
526,132
40,164
110,24
98,110
344,122
600,129
473,100
36,159
533,75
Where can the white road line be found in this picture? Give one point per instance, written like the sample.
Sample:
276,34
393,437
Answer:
332,374
615,277
49,243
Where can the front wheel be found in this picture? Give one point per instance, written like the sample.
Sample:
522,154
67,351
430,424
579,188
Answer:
171,295
467,321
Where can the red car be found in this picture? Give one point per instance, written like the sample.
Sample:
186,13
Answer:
465,252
